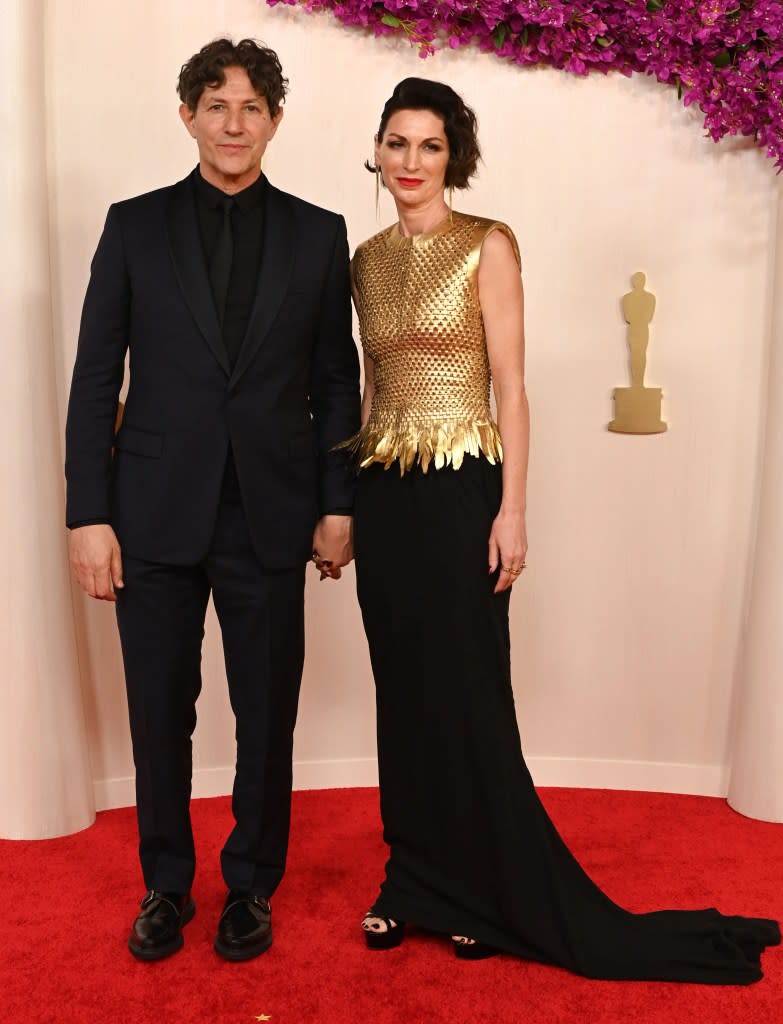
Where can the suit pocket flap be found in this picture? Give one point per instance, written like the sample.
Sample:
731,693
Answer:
139,442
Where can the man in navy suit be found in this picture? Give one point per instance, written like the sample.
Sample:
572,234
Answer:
233,300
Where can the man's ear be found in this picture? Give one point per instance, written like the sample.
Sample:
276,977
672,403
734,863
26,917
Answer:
276,121
187,115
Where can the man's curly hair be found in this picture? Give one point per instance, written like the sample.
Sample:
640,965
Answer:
208,68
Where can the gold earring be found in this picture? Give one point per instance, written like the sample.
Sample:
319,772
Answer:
451,204
377,193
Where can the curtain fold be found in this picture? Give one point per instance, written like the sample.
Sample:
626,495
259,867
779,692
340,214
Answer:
756,786
45,778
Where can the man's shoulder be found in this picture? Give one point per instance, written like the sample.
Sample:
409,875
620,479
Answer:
152,200
306,211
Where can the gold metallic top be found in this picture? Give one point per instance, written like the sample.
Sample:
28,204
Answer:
421,326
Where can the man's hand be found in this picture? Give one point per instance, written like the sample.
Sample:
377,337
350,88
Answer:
333,545
95,559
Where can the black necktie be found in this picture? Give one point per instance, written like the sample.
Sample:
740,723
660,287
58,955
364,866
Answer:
222,257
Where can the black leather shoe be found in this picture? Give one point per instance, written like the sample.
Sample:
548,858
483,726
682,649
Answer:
245,927
157,931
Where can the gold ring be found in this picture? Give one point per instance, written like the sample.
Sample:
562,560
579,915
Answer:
316,556
511,569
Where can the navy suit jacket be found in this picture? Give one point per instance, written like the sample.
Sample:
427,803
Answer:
291,397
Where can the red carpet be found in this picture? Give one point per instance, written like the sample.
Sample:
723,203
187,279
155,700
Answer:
647,851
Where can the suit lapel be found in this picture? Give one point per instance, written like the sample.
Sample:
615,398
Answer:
276,262
187,255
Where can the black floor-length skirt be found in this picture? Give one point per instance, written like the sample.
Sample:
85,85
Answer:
472,850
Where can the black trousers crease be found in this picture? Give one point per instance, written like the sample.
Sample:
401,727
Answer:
160,614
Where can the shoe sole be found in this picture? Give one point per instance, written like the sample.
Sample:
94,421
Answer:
174,946
238,955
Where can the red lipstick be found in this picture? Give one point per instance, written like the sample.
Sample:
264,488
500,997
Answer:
410,182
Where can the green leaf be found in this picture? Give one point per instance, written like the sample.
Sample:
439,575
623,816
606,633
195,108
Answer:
654,5
604,41
722,60
389,19
500,34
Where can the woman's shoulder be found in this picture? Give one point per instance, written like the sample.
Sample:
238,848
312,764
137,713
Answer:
373,242
364,252
483,227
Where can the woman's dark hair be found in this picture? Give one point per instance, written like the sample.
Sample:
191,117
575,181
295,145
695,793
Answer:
459,123
208,68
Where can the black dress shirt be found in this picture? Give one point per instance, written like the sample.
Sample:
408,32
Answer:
247,224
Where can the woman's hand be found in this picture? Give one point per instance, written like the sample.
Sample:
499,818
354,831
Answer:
507,547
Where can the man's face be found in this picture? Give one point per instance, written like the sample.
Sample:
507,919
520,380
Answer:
232,126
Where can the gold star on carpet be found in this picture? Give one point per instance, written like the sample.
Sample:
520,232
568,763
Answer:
264,1016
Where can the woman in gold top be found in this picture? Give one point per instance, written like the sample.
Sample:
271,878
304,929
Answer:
440,540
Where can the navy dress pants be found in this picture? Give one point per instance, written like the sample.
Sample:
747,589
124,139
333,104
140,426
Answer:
160,613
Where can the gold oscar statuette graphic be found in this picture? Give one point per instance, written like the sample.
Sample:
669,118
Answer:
637,409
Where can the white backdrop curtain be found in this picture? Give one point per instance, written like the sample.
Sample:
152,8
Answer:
757,763
45,777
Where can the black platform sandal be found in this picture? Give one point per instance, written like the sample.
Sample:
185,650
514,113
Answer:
385,934
471,949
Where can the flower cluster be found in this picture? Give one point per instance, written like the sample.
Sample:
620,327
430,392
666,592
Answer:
724,55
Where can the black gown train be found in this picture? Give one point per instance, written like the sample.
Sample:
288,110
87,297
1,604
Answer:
472,850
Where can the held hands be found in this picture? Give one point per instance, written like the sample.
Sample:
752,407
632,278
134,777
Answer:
96,561
333,545
507,548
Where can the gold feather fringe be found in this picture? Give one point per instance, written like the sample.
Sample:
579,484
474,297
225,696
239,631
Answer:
446,444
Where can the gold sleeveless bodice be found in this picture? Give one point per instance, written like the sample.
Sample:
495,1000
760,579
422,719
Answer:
421,325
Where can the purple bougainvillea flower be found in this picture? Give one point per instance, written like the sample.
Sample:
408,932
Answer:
726,56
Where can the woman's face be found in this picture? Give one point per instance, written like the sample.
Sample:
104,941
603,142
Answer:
413,155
